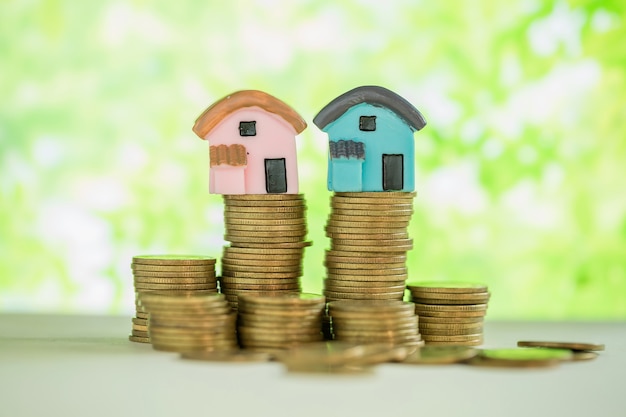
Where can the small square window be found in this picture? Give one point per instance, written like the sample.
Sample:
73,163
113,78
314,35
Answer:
367,123
247,128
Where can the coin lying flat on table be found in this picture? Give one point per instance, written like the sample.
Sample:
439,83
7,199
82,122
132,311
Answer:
561,345
240,356
523,357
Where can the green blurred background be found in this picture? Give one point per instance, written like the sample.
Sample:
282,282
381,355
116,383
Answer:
521,168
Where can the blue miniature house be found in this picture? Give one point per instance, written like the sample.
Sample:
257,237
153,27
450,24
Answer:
371,148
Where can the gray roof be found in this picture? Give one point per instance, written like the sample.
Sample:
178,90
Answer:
376,96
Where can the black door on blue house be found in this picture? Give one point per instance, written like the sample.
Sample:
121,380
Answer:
275,176
393,172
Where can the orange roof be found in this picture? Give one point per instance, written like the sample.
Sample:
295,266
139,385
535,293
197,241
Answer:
217,111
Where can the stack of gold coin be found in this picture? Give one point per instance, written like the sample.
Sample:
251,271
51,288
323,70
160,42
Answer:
173,274
267,234
190,323
279,321
365,321
369,242
451,313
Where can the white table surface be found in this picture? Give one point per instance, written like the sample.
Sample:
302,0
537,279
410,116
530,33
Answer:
85,366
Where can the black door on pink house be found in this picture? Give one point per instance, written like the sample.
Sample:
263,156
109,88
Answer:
275,176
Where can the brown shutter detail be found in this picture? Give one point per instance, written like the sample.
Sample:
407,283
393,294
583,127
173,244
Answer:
233,155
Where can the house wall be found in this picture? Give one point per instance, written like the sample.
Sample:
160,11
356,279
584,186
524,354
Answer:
275,138
392,136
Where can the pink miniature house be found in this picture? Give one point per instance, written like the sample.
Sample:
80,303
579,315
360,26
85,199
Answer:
252,144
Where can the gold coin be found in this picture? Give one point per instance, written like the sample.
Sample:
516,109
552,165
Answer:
147,274
303,299
256,316
265,222
140,322
446,287
452,309
173,268
191,300
378,194
139,339
366,201
332,286
373,249
275,245
268,275
269,234
365,278
140,327
401,214
259,287
276,228
482,299
297,332
269,215
231,208
231,250
363,242
263,197
451,314
365,267
264,203
400,340
241,268
368,237
263,240
336,281
440,355
450,320
381,271
394,207
153,280
450,326
239,293
173,260
152,286
375,333
395,323
379,306
361,258
450,332
256,281
583,355
295,261
139,333
239,356
333,295
367,223
141,315
561,345
365,230
370,315
451,338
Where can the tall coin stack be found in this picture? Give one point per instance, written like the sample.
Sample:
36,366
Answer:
451,313
366,321
171,274
267,234
369,242
280,321
192,323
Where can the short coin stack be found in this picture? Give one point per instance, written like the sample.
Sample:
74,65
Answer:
389,321
172,274
369,242
192,323
279,321
451,313
268,236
